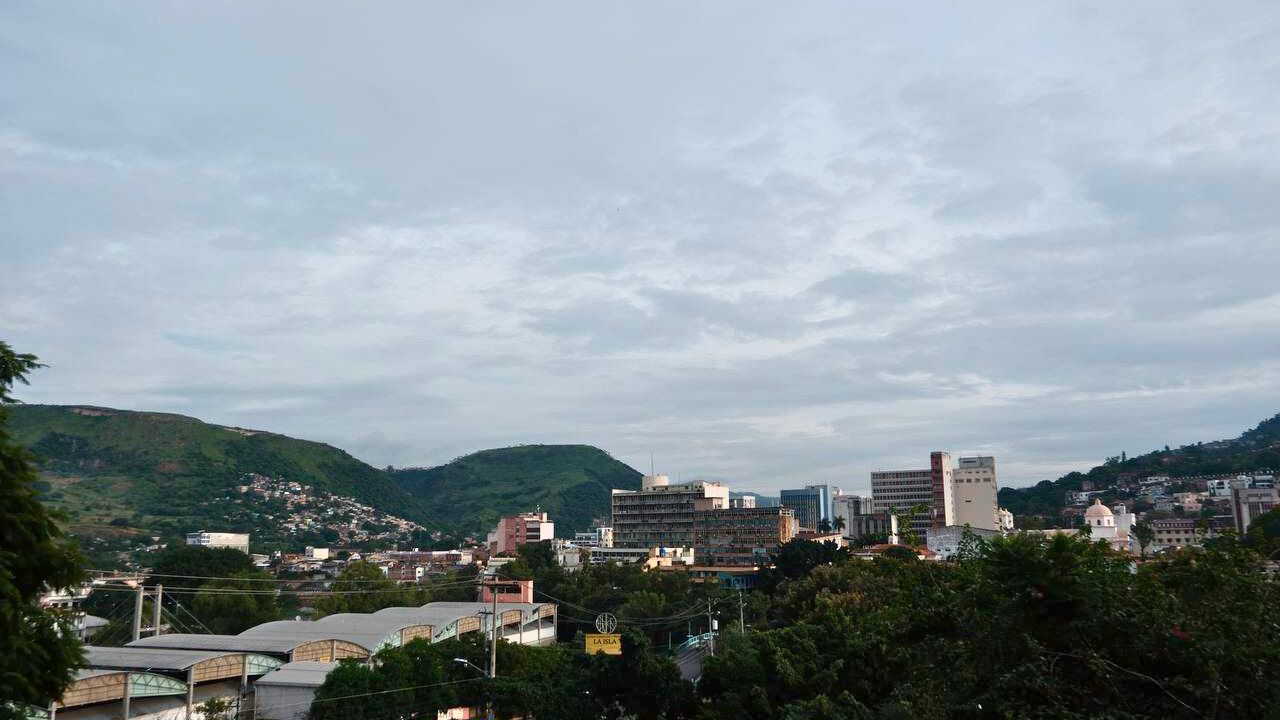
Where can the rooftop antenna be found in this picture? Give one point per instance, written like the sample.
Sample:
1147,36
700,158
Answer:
651,473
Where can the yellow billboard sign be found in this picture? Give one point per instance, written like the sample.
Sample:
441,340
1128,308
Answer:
607,644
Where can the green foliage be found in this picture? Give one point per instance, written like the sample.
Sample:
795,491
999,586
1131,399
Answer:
166,473
182,565
536,682
1144,534
363,588
1029,627
38,653
571,482
797,557
224,608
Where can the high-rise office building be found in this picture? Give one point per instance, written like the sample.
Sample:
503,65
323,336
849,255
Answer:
933,488
741,536
975,492
811,505
898,491
660,514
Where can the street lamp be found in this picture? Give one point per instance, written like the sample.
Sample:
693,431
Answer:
473,666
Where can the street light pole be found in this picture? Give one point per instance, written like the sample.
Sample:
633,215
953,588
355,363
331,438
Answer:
473,666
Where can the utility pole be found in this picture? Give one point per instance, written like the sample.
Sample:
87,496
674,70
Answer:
493,644
742,622
137,612
711,629
493,641
155,609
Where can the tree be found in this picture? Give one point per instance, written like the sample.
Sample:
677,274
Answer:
227,607
363,588
824,525
1144,534
187,566
839,523
38,653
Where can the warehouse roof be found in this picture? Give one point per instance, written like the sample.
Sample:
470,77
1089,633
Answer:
298,674
168,659
233,643
369,635
128,658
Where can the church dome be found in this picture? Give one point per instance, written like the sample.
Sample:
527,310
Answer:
1097,510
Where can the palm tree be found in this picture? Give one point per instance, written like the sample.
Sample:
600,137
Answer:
839,523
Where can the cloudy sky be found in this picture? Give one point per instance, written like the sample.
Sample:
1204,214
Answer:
769,243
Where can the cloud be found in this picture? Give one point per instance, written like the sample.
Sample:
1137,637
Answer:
775,248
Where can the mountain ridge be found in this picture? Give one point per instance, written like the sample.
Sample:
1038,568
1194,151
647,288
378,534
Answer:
117,472
1257,448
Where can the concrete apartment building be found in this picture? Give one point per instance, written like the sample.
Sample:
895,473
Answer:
238,541
811,505
516,530
741,536
697,515
1248,503
660,514
975,492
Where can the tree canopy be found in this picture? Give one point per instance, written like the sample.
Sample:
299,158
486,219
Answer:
38,653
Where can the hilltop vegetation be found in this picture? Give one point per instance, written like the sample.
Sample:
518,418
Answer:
571,482
1255,449
165,473
121,475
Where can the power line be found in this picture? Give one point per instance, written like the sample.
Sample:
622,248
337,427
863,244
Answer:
245,579
383,692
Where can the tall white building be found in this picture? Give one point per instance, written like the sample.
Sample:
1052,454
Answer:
975,492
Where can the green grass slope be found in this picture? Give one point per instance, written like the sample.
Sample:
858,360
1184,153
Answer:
571,482
164,471
1255,449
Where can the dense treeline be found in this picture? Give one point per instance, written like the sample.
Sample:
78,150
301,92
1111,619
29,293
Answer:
1021,627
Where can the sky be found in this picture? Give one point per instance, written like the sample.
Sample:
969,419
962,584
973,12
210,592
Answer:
768,243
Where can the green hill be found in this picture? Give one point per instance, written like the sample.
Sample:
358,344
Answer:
571,482
119,474
1255,449
163,472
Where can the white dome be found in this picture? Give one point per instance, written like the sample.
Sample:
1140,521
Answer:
1097,510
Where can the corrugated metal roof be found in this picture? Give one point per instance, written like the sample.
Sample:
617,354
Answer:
305,630
232,643
301,674
86,673
132,658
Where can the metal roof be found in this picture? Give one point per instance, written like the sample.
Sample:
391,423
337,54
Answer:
230,643
132,658
299,674
168,660
368,636
86,673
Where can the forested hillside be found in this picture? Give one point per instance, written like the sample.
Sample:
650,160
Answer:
121,474
572,482
1255,449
